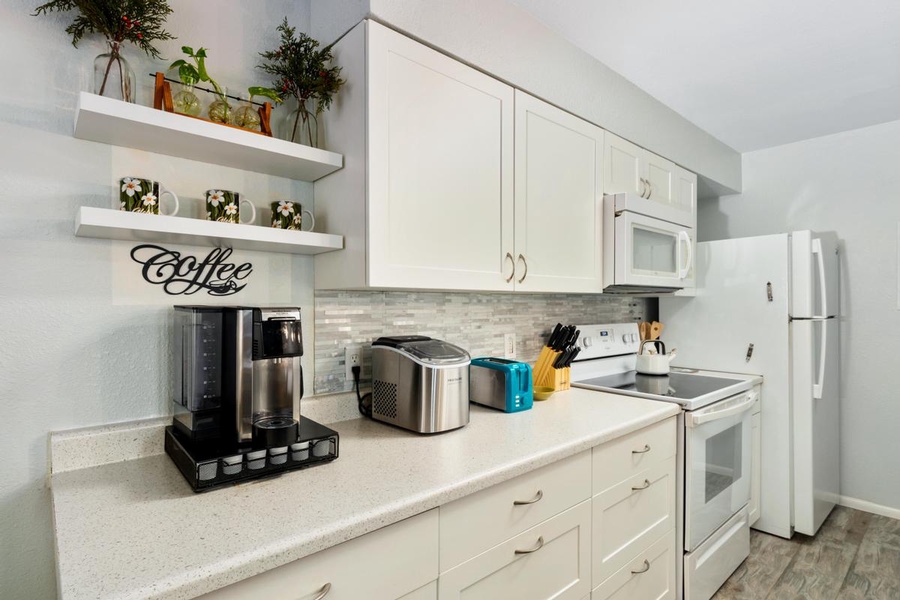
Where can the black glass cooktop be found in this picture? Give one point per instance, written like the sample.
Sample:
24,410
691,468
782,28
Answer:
681,386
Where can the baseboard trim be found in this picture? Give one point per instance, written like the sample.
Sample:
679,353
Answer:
870,507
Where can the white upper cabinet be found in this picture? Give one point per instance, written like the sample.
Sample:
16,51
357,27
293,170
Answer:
629,168
558,200
427,198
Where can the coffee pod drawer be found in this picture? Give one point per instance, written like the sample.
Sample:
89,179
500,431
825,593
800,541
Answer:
615,461
551,560
651,575
628,517
383,565
482,520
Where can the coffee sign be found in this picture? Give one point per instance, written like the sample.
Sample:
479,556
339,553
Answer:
182,274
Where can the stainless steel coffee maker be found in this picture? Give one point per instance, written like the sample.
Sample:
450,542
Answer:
237,389
238,374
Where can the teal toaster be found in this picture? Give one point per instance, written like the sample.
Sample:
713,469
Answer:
500,383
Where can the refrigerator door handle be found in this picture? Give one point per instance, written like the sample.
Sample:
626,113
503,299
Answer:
823,350
820,262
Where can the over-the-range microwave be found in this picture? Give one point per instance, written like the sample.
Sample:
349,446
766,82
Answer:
645,249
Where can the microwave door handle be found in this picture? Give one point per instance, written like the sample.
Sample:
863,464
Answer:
705,417
685,267
823,350
820,262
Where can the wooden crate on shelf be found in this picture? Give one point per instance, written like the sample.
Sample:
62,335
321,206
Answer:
162,100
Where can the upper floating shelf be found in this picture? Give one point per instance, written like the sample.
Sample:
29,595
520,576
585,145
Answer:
111,121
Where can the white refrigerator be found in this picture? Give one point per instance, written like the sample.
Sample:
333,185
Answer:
769,305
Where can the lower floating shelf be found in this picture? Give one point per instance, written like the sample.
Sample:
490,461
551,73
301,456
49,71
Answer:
112,224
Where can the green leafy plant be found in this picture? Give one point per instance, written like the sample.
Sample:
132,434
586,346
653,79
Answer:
139,22
302,71
255,90
192,74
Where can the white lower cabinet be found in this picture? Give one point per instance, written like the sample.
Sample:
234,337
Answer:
382,565
631,515
650,576
426,592
549,561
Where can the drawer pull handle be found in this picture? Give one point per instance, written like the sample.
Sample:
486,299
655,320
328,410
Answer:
537,497
323,592
644,570
642,487
644,451
540,544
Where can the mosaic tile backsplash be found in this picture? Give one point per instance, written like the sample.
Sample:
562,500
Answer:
474,321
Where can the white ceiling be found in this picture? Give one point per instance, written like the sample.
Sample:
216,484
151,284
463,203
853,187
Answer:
753,73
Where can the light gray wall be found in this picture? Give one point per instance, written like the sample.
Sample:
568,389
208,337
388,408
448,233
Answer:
72,354
509,43
845,183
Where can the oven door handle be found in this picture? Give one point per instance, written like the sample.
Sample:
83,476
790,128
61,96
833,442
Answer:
702,417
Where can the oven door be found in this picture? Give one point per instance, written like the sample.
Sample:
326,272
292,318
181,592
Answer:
717,465
653,253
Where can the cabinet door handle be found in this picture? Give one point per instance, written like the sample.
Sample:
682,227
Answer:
537,497
642,487
512,261
649,190
643,188
323,592
540,544
644,451
525,274
644,570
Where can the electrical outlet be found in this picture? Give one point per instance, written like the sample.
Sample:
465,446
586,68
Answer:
509,345
352,358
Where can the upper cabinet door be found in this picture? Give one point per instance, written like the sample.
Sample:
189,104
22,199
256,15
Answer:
440,176
622,166
559,200
660,176
685,196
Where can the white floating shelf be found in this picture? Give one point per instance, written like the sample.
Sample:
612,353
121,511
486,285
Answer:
111,121
111,224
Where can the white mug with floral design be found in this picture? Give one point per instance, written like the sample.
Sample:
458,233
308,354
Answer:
289,215
137,194
225,206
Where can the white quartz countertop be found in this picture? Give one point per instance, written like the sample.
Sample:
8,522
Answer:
134,529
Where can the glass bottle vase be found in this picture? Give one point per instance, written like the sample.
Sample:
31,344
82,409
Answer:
186,102
113,76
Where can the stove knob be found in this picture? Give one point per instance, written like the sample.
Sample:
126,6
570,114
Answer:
633,337
626,338
587,342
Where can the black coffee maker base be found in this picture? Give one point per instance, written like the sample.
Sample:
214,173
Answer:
210,465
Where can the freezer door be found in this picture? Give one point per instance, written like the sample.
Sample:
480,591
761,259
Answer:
814,275
815,347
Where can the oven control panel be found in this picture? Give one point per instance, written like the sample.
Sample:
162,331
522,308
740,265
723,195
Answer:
600,341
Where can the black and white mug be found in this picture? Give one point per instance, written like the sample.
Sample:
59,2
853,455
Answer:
137,194
228,207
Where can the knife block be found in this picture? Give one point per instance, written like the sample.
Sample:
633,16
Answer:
558,379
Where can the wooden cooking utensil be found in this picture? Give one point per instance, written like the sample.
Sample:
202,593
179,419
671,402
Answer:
655,330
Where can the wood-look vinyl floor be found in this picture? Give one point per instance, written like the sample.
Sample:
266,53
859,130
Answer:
855,556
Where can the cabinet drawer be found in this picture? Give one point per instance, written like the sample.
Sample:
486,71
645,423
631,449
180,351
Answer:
426,592
556,565
384,564
628,517
625,457
475,523
650,576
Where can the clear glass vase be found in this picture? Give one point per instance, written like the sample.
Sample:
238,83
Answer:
302,126
186,102
220,110
246,115
113,76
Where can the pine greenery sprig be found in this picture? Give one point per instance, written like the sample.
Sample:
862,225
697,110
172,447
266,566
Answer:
301,70
137,21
